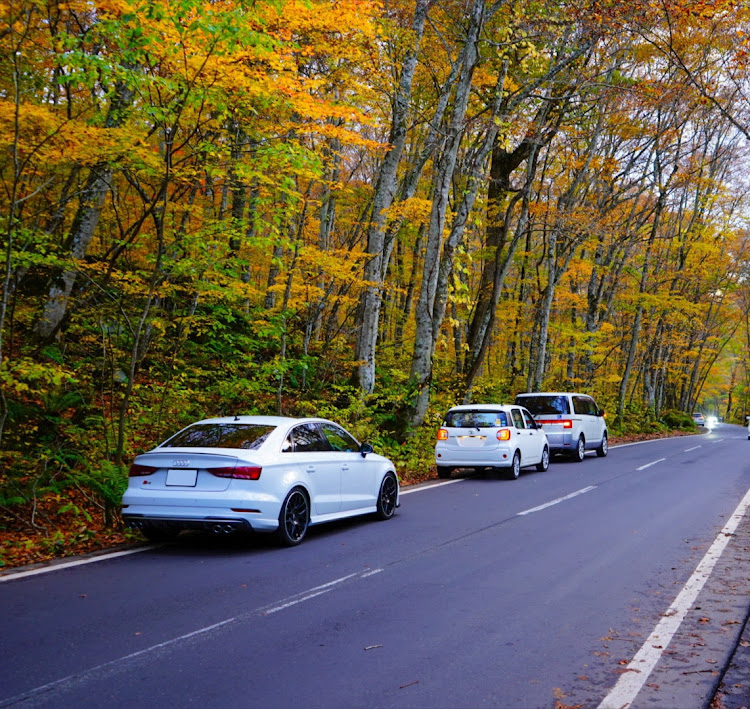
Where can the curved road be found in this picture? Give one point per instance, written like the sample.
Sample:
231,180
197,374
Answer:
479,593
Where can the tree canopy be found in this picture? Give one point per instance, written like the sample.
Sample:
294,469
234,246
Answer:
363,209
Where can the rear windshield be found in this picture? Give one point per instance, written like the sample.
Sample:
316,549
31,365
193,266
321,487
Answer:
544,404
220,435
475,419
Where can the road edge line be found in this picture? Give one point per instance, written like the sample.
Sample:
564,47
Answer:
640,667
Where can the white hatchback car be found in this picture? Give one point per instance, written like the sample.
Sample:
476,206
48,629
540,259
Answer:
573,422
259,473
494,436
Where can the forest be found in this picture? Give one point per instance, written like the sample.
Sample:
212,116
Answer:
365,210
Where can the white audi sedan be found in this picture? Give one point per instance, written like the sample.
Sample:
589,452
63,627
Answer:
494,436
257,473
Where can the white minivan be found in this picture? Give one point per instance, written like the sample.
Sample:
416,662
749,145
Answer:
573,422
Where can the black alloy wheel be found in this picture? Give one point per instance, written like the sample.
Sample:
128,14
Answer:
387,497
294,518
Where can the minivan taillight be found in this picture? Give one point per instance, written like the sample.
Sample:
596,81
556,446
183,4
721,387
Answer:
137,470
239,472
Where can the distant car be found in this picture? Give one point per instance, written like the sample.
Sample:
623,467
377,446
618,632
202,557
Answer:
490,436
573,422
257,473
699,418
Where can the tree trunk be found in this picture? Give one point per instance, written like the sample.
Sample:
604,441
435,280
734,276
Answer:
426,314
84,225
368,315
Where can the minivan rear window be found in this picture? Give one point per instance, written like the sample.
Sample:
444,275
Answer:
221,435
544,404
475,419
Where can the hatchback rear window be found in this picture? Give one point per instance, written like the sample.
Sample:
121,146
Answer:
475,419
220,435
544,404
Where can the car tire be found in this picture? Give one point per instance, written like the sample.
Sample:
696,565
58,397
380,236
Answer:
160,534
444,471
603,448
294,517
387,497
515,467
580,452
543,464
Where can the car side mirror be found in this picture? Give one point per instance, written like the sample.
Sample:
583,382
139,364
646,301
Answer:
365,448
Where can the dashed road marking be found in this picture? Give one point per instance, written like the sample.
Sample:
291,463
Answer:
653,462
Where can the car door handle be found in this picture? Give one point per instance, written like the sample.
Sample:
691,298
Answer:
310,468
345,467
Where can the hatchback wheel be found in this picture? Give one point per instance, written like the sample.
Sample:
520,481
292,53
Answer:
387,497
543,464
515,466
603,449
294,518
580,452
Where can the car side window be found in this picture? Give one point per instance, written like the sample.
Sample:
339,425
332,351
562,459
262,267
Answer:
530,423
593,408
307,438
517,418
339,439
580,405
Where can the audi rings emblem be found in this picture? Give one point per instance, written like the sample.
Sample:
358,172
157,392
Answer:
180,463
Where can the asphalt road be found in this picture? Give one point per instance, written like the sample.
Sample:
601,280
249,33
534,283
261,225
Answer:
479,593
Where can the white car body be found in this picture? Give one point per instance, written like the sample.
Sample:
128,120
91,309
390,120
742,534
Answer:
490,436
186,487
573,422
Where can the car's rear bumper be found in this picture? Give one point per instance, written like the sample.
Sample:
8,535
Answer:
498,457
558,441
213,519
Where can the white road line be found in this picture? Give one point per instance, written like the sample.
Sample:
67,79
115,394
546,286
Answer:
637,672
114,665
419,488
653,462
307,595
77,562
111,665
694,448
557,501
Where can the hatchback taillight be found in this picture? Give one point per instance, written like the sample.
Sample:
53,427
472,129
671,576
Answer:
503,434
137,470
239,472
442,435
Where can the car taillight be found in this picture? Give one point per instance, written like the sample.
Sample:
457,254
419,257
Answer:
137,470
442,435
503,434
567,424
239,472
